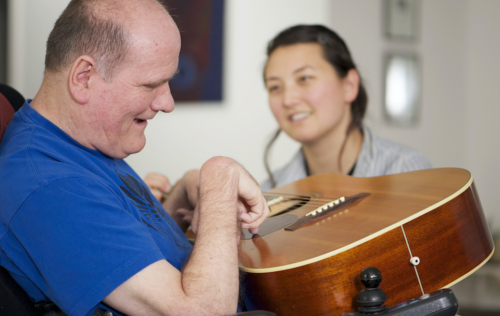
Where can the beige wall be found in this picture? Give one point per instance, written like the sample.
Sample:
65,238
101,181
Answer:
458,46
482,108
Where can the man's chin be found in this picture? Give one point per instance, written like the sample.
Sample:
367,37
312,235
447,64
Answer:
125,151
132,151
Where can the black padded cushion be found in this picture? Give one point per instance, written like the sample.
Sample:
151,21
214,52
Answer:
15,98
13,299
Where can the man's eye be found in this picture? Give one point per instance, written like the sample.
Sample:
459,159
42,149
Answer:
150,86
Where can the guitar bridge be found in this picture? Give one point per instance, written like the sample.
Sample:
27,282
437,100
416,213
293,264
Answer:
326,206
325,210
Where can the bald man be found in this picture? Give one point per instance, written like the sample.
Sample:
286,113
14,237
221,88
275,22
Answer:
78,227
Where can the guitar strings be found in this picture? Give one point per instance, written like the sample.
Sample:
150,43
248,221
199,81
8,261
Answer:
303,197
308,204
309,200
312,200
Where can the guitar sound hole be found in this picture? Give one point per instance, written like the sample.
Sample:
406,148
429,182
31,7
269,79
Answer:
288,205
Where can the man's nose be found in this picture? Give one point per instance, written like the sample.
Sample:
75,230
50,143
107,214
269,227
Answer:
164,100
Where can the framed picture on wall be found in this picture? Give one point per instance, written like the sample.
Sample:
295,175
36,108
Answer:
200,75
401,19
402,88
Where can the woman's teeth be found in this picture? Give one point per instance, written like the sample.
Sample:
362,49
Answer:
299,116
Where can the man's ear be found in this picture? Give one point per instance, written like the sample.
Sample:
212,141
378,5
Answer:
82,73
351,85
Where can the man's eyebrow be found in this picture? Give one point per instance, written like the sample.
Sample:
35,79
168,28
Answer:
161,81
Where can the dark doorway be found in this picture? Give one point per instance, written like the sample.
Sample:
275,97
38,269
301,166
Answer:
3,41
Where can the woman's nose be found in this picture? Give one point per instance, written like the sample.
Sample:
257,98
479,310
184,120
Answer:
291,96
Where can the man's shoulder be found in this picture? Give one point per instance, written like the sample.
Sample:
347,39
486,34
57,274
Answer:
32,158
31,155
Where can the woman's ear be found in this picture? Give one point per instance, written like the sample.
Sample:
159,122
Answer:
81,74
351,85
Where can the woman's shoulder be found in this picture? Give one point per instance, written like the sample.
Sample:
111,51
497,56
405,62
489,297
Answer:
380,156
294,170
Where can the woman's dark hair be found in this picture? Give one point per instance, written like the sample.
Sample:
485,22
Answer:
335,51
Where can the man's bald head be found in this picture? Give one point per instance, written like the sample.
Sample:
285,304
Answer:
96,28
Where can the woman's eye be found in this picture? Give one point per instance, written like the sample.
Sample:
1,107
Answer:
273,88
304,78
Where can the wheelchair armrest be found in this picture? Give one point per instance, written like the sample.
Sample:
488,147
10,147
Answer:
254,313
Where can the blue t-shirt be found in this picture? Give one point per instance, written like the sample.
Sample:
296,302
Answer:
74,223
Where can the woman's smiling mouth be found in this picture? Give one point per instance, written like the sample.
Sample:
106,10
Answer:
299,116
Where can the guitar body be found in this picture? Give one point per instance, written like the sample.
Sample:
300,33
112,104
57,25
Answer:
433,214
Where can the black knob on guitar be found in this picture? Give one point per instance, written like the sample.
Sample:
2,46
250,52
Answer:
371,298
371,277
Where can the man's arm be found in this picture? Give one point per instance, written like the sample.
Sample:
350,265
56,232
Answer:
208,285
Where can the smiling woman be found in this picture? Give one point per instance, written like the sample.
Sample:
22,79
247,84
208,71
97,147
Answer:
317,97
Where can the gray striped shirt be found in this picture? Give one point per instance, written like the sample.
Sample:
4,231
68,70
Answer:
378,156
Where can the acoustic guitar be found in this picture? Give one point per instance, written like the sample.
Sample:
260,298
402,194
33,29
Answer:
424,230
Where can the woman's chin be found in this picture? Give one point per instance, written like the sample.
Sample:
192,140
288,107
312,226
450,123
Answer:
304,138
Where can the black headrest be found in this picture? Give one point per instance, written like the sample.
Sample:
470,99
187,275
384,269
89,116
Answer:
14,97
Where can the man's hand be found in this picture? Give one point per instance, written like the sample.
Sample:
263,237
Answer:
183,199
221,173
252,206
158,184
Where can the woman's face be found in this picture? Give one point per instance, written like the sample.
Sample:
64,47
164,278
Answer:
306,96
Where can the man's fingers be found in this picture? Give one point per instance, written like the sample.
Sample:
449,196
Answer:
195,220
184,212
157,193
192,185
249,222
187,215
252,206
157,187
158,181
253,231
252,217
187,219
